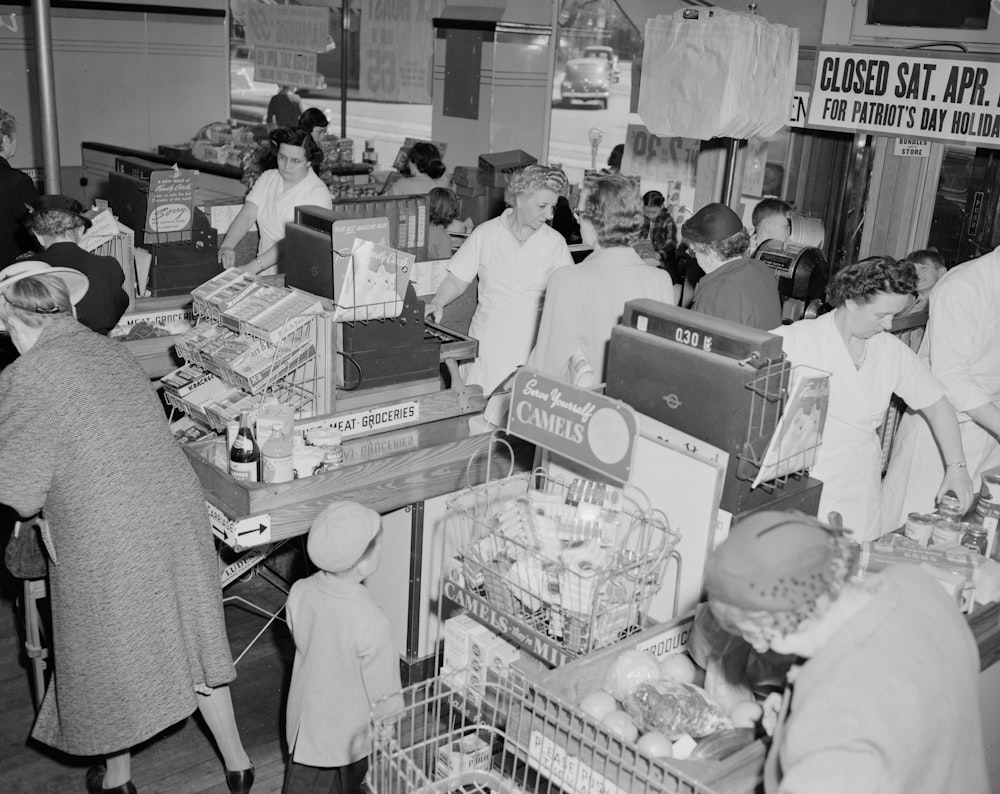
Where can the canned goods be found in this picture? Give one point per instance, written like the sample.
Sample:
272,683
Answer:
947,532
949,505
918,527
975,537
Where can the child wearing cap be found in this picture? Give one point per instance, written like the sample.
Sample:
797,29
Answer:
345,659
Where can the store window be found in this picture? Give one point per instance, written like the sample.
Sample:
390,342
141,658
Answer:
388,51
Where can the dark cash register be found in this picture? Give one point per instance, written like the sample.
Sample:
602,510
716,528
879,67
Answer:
716,380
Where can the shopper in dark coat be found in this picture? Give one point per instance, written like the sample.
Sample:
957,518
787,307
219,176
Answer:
58,224
138,631
16,190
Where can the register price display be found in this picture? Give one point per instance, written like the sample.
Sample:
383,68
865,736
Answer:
922,96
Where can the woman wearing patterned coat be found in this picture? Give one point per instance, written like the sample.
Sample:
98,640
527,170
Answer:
138,632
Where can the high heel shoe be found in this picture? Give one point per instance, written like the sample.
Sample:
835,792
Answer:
95,779
240,781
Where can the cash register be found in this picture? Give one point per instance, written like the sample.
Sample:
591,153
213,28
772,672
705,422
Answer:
716,380
800,267
372,353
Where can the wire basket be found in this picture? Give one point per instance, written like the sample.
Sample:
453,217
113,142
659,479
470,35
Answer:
577,563
503,737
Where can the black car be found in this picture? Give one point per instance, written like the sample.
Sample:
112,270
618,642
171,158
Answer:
586,80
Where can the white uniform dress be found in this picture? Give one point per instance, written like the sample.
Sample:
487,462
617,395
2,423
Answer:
276,205
849,461
512,279
962,346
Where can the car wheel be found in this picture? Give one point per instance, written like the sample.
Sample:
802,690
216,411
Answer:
604,104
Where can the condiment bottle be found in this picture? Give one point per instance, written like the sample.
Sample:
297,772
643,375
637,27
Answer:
244,455
276,457
333,452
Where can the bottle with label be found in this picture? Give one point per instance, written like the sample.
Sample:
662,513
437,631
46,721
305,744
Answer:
276,457
244,455
370,156
333,451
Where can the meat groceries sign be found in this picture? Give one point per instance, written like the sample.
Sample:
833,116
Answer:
892,92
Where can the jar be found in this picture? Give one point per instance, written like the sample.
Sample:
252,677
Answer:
975,537
946,532
919,527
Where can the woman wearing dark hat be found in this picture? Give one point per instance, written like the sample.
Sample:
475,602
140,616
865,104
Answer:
734,287
866,368
886,695
138,632
58,224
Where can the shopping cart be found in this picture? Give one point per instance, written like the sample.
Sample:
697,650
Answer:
505,737
580,583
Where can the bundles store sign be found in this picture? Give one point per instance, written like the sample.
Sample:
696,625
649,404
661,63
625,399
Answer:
948,97
581,425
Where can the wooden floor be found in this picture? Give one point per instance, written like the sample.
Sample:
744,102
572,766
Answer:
182,760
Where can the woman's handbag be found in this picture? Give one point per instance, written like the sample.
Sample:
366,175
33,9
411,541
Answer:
24,556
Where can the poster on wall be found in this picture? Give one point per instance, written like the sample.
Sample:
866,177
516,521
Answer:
944,97
397,49
286,39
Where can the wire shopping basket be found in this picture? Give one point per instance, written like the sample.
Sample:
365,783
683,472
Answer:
504,737
577,562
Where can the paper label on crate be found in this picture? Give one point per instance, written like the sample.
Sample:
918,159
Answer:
239,532
584,426
565,770
672,639
545,648
371,420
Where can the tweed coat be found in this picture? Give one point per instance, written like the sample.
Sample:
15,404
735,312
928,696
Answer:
135,590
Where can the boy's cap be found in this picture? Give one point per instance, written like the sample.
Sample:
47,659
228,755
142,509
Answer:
340,534
711,223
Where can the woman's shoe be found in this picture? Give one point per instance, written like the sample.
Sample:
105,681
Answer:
241,781
95,779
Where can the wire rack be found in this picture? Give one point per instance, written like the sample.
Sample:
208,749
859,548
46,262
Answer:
504,737
581,583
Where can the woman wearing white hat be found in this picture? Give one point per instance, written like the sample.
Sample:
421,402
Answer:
83,436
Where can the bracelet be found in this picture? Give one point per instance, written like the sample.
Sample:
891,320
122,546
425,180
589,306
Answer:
958,464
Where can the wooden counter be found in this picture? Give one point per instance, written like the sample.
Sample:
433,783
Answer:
398,468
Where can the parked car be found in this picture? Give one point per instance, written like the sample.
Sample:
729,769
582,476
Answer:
586,80
608,53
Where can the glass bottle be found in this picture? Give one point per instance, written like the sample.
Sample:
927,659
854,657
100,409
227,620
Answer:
276,457
333,452
244,456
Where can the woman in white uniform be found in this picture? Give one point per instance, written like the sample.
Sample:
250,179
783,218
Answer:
866,368
962,346
513,255
290,181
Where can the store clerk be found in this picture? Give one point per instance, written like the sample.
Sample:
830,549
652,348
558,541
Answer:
289,181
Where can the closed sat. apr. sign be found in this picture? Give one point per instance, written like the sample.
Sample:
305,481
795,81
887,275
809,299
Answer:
578,424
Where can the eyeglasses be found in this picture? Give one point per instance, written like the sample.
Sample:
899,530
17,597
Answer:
284,158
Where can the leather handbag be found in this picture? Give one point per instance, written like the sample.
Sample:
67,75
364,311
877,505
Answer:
24,556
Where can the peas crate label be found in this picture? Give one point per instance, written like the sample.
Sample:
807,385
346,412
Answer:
579,424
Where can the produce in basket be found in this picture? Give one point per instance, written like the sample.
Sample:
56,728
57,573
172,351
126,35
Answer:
673,707
630,669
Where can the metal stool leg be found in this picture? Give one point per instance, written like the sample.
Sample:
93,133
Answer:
34,591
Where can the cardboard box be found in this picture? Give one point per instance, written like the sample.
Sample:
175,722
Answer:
496,167
458,634
462,755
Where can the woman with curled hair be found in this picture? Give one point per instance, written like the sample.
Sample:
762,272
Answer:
513,255
315,122
128,538
289,181
583,303
58,224
426,169
867,366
